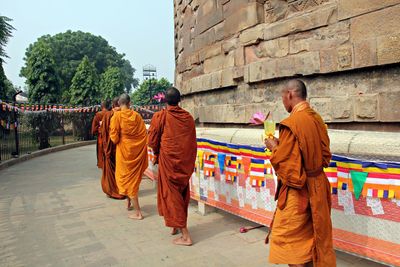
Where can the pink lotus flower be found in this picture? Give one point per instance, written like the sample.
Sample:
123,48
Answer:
159,97
258,118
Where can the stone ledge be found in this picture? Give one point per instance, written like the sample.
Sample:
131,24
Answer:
11,162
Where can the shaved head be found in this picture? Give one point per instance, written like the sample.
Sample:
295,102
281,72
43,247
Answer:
298,87
173,96
124,100
294,92
106,104
115,102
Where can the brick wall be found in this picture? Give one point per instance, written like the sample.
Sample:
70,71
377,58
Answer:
233,57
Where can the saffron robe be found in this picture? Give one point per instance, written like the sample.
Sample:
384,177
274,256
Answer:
172,136
302,229
96,123
128,132
108,183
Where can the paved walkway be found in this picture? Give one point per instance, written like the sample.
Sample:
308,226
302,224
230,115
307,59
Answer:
53,213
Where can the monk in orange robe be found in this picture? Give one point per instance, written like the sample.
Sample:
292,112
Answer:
108,183
96,124
128,132
301,232
172,136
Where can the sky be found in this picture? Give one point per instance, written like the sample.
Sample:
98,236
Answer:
142,29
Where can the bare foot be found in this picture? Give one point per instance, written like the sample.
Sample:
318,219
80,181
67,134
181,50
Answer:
174,231
182,242
128,204
136,216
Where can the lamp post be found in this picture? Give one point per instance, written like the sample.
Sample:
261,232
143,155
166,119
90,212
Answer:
16,153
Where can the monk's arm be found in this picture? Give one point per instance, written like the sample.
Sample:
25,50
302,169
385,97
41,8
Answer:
115,129
155,134
286,159
95,125
326,152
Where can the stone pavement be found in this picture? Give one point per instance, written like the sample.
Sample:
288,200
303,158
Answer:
53,213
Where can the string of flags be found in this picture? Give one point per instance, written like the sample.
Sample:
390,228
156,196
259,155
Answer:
41,108
228,172
361,178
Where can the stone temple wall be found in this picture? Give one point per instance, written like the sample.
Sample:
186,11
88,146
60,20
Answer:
233,57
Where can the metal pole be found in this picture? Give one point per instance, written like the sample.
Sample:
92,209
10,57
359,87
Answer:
62,128
16,154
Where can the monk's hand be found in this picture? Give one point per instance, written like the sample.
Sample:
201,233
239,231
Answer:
155,160
271,142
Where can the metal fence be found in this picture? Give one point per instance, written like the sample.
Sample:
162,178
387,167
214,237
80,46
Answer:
24,132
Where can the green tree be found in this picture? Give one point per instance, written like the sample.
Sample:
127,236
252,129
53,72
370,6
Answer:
68,50
41,76
5,33
147,89
84,87
111,83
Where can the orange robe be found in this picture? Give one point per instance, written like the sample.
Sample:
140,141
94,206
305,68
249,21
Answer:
128,132
95,131
302,229
108,183
172,136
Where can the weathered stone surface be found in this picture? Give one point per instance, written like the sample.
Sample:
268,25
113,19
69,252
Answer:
371,25
230,7
227,77
323,106
243,59
342,108
348,9
238,73
219,31
366,107
262,70
239,56
252,35
365,53
345,57
328,60
210,51
222,114
214,63
316,18
389,106
208,20
389,48
273,48
250,54
245,17
307,63
196,70
230,44
204,39
325,38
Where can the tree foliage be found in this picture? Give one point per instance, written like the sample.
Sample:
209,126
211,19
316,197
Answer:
5,33
111,83
147,89
41,76
6,88
68,50
84,87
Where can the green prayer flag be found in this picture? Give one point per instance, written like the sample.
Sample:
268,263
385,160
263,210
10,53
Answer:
358,179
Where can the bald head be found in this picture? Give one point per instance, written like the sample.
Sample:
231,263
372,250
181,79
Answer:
115,103
298,88
124,100
106,104
173,96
